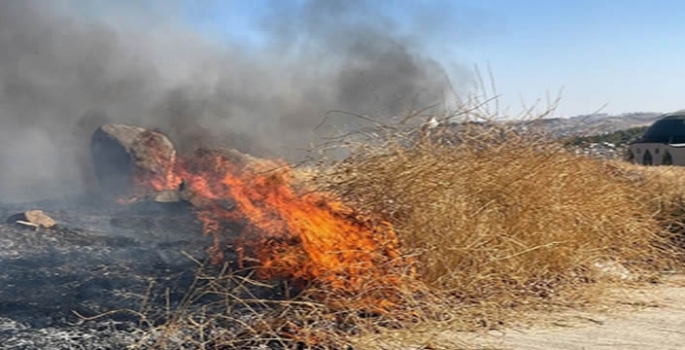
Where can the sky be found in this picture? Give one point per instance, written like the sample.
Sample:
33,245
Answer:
262,75
613,56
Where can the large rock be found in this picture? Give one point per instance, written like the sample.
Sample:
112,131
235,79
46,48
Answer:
126,158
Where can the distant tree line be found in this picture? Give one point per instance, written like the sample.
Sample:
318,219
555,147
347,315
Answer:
618,138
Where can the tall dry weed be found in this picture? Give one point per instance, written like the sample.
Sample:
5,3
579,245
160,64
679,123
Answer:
494,215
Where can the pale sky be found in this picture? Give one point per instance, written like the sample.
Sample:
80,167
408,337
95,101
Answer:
622,55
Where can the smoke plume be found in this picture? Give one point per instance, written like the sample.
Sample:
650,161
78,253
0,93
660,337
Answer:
65,70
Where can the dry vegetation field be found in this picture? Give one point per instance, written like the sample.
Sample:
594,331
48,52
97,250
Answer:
493,226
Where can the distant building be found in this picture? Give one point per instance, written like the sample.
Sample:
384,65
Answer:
662,144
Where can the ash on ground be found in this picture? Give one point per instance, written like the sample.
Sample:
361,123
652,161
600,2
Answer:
100,279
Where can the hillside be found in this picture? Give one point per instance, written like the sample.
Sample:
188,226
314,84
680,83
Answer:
594,124
617,138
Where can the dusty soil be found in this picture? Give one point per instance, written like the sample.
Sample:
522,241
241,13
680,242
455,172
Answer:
634,319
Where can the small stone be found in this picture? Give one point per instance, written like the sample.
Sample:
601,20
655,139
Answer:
32,218
169,196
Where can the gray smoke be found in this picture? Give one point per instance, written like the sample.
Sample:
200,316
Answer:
65,71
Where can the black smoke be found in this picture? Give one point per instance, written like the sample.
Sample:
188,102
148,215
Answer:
64,71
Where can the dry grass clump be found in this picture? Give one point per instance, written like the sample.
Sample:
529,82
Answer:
495,216
663,188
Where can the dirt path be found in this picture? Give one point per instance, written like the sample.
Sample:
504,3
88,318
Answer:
648,318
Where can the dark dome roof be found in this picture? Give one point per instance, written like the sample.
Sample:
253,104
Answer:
669,129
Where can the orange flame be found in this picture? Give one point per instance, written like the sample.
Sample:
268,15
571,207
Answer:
307,237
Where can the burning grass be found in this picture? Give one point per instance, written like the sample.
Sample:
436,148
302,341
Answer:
301,237
463,228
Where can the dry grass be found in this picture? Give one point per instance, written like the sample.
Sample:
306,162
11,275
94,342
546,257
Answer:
663,188
500,216
499,223
503,223
224,310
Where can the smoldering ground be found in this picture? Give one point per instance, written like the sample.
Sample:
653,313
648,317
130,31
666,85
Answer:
65,70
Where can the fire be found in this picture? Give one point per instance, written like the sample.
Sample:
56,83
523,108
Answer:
309,237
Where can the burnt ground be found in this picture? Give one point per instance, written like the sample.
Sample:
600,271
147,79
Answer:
100,260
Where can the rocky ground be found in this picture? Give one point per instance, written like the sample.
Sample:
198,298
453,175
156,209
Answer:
99,261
